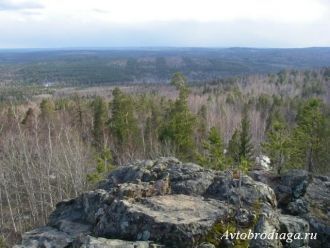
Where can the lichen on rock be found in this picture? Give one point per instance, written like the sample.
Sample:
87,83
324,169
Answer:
167,203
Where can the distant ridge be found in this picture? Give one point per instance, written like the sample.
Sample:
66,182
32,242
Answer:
150,64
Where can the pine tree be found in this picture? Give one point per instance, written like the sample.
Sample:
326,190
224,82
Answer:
180,122
308,137
79,111
240,146
202,122
246,147
324,154
103,166
100,116
277,142
234,148
213,156
145,112
274,112
123,124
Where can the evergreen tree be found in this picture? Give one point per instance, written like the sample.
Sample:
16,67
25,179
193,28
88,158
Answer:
263,104
79,111
103,166
180,122
309,136
324,154
202,122
234,148
239,146
274,112
213,156
277,142
123,124
246,147
100,115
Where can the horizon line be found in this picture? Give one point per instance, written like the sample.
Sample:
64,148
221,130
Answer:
153,47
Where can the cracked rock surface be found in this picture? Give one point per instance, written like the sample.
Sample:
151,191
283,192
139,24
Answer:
167,203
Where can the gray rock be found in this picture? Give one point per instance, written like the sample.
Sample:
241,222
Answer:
179,204
206,245
301,194
292,224
309,199
244,217
322,230
189,179
78,216
225,188
292,185
267,224
266,177
172,220
298,207
46,237
318,197
93,242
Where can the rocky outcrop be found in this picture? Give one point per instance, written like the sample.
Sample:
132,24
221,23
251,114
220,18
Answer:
246,191
167,203
305,196
308,197
169,220
294,225
46,237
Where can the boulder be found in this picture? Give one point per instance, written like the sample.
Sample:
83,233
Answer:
291,186
189,179
294,225
317,198
268,223
306,196
172,220
167,203
45,237
247,192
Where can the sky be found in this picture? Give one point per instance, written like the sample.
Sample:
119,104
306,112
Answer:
159,23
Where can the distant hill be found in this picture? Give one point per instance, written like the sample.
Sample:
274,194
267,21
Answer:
150,65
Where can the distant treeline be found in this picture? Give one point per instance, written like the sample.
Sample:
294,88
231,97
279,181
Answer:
93,67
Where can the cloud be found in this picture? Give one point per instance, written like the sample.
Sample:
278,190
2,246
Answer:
283,11
9,5
146,11
253,23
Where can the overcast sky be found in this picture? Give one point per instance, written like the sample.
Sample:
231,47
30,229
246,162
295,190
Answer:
193,23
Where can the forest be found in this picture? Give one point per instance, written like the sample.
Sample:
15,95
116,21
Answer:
55,143
106,66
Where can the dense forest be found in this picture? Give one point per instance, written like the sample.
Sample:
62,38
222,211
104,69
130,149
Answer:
56,143
149,65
